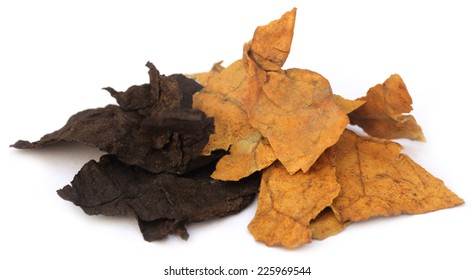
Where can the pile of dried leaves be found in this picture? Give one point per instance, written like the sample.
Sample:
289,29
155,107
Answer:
282,129
154,169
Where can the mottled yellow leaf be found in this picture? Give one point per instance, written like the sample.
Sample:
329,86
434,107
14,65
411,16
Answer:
221,99
376,180
230,120
245,157
293,109
383,114
346,105
287,203
270,45
326,224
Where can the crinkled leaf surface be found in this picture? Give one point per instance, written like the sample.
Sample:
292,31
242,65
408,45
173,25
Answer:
287,203
205,77
270,45
246,156
346,105
221,99
326,224
376,180
230,82
154,126
162,202
293,106
325,178
230,120
383,114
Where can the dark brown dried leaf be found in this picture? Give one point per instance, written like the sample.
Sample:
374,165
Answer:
153,127
164,202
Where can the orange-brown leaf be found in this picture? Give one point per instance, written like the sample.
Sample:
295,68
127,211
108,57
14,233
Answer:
346,105
270,45
248,155
230,82
221,99
230,120
295,110
287,203
376,180
383,116
326,224
206,77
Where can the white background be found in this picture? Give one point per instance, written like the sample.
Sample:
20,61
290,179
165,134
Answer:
55,56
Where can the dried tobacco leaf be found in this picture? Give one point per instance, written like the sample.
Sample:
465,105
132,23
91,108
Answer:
248,153
163,202
376,180
221,99
383,114
293,106
270,45
326,224
155,126
205,77
287,203
247,156
229,82
326,176
346,105
230,121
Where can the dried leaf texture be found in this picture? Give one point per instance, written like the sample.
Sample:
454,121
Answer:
246,156
163,202
326,224
346,105
205,77
221,99
230,120
383,114
296,112
270,45
230,82
154,126
376,180
287,203
187,149
293,106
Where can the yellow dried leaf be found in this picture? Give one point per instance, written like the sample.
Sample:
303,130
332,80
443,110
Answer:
263,113
376,180
383,116
287,203
230,121
246,156
295,110
204,78
230,82
346,105
220,99
294,106
326,224
270,45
